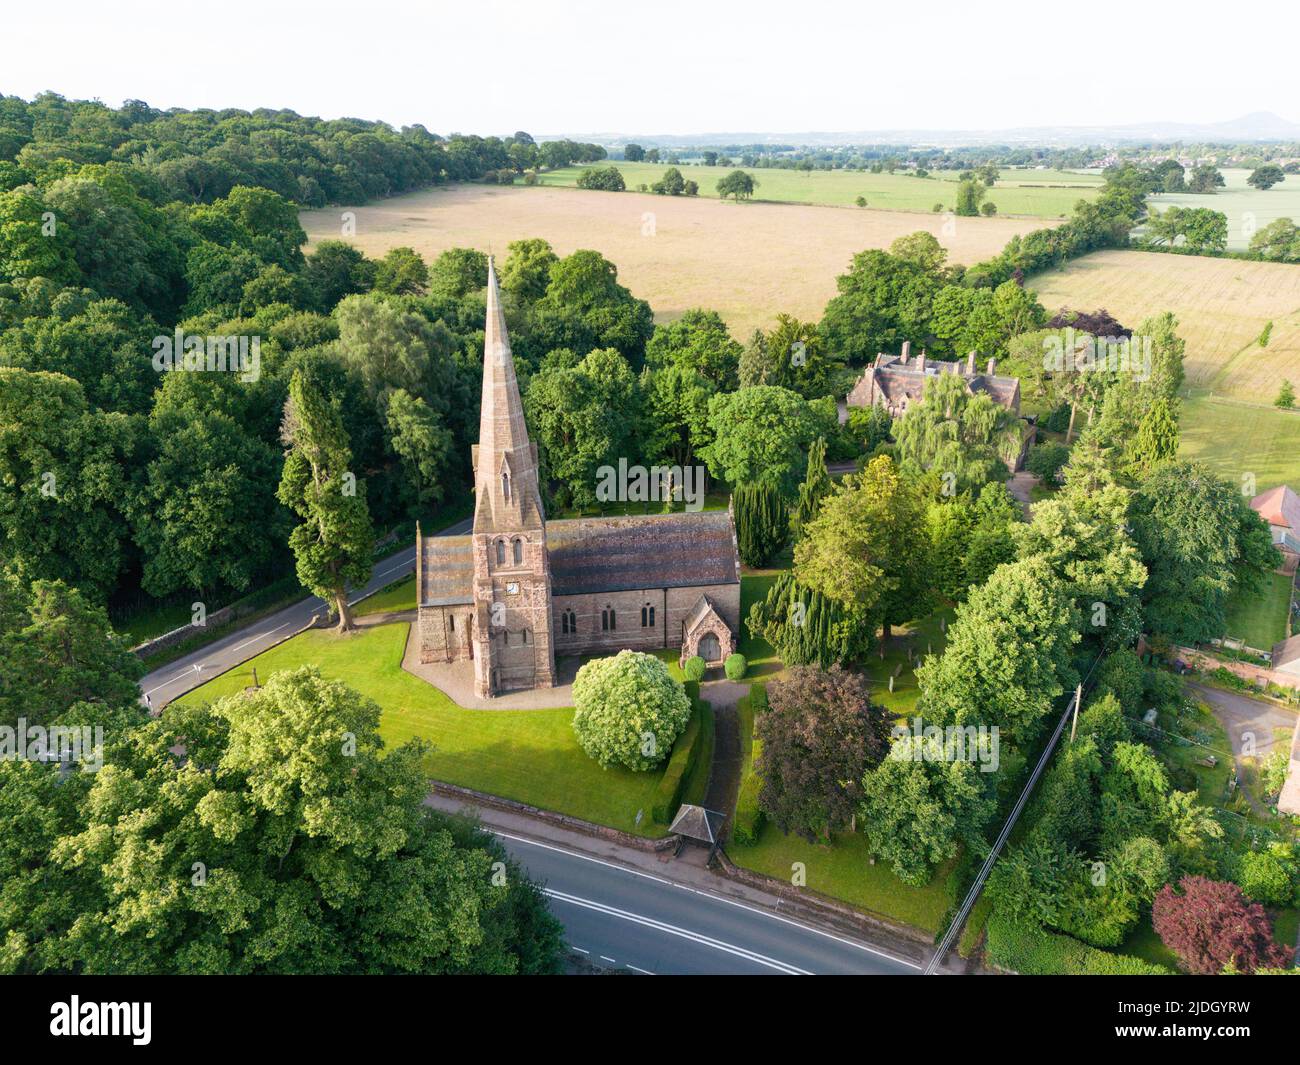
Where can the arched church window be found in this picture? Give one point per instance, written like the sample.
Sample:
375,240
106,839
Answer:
647,616
505,485
501,552
519,551
568,622
607,619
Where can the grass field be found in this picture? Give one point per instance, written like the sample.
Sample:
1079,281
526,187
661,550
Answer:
1222,306
527,755
749,261
1247,209
1238,440
1260,617
1036,193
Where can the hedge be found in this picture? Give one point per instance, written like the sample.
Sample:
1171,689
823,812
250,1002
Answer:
1033,951
696,785
681,763
747,825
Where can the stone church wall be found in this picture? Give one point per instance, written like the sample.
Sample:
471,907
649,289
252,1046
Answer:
671,610
445,633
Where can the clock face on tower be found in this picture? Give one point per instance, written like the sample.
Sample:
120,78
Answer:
512,588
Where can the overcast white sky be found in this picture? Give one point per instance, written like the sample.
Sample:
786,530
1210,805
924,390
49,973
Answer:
669,66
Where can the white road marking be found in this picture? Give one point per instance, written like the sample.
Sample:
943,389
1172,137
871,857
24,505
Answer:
581,951
260,636
675,930
715,898
605,957
645,972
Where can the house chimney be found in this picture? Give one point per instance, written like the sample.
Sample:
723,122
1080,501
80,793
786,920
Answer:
993,367
970,364
907,350
920,362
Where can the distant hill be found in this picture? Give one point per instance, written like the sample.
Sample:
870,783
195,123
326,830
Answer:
1257,126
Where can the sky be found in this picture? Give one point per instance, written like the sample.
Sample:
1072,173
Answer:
665,66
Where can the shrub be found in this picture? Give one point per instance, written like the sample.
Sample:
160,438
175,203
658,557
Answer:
1029,950
694,669
1211,926
1045,460
668,792
747,825
604,178
1268,876
629,710
735,666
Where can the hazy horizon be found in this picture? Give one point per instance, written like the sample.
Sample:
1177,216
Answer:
681,70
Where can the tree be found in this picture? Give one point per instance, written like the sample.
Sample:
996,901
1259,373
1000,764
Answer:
1285,395
1205,179
699,340
671,184
1008,656
882,301
799,359
629,711
1266,176
969,194
861,201
737,184
1198,539
602,178
527,269
760,434
919,807
805,627
868,546
816,486
1210,925
820,735
762,522
1157,437
457,272
1279,241
584,417
287,841
334,545
633,153
336,269
402,272
965,437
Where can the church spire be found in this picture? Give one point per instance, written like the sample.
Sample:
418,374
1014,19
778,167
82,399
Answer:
505,464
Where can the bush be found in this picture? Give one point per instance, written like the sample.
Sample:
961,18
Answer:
735,666
604,178
694,669
1045,460
1268,876
629,710
685,757
1027,949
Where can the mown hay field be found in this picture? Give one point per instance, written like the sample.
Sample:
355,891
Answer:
1037,193
748,261
1222,307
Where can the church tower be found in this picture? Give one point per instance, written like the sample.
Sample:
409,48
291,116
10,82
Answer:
512,574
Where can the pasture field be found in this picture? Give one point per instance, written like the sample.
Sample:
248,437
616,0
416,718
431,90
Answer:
1222,306
1240,441
747,261
1247,209
1035,193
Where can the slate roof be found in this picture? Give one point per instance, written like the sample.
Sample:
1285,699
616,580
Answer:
1278,506
651,551
695,822
1285,652
448,575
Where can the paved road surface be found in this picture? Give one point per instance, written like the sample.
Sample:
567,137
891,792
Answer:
176,678
628,919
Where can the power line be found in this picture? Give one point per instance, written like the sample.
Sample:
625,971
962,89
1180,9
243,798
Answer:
945,944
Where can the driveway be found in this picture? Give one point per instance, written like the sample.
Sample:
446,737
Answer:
1250,722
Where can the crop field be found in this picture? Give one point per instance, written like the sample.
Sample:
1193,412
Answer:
1222,307
747,261
1247,209
1036,193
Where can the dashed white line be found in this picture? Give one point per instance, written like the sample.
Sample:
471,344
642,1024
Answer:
645,972
611,961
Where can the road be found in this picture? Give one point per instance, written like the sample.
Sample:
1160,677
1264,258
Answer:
624,918
185,674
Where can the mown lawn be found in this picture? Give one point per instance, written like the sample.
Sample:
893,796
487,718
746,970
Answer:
844,870
1239,441
527,755
1260,617
922,637
400,595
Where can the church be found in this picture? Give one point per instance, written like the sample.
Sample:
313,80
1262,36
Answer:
519,590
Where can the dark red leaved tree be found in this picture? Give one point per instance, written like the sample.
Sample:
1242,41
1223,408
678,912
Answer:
1211,924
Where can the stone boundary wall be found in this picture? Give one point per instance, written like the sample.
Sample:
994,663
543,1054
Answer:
1202,660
